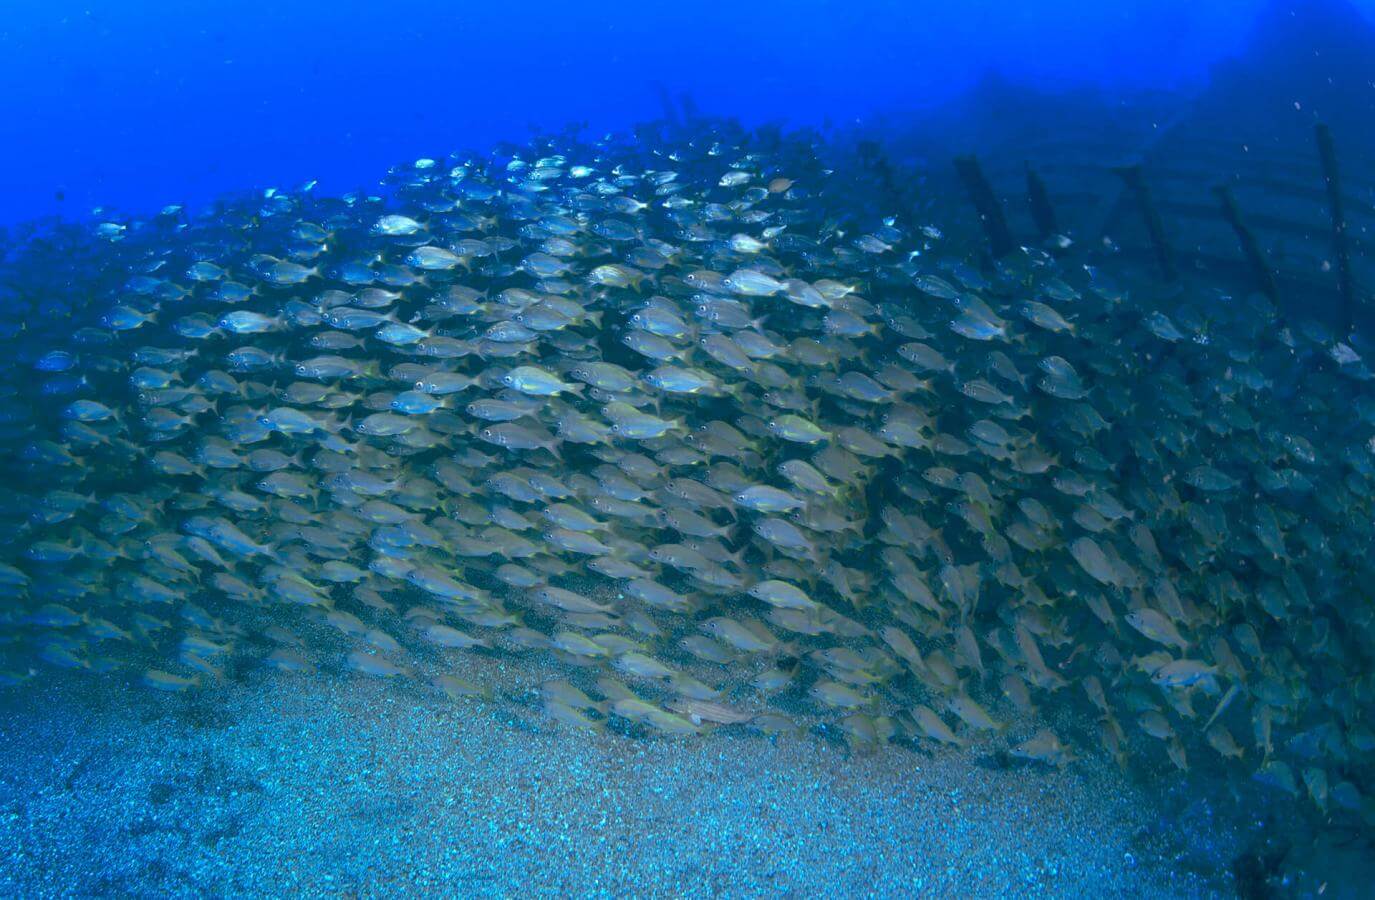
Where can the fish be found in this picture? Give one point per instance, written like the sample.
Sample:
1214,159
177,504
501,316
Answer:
1045,747
931,726
699,711
702,412
972,714
1157,627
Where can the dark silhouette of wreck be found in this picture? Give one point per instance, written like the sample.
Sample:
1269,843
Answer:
1230,183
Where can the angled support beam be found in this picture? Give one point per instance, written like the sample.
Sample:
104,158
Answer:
1000,241
1038,198
1327,153
1155,228
1250,247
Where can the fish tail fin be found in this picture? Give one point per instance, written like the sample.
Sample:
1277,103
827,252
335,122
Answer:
738,557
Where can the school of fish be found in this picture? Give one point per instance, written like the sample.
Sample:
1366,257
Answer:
729,443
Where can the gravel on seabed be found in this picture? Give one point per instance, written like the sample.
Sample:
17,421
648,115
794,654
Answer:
331,785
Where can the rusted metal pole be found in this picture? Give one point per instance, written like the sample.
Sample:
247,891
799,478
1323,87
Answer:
1327,153
1000,241
1255,258
689,107
666,102
874,159
1038,198
1155,228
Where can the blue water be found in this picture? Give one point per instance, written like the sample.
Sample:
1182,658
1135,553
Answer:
138,104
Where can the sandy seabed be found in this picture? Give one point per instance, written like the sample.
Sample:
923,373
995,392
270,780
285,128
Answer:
333,785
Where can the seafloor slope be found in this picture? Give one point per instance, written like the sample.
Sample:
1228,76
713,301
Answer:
322,786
